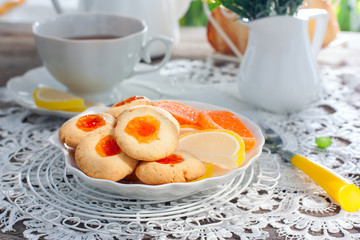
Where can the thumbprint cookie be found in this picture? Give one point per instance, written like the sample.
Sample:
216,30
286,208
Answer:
178,167
118,108
99,156
75,129
147,133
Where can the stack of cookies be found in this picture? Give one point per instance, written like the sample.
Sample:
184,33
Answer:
131,138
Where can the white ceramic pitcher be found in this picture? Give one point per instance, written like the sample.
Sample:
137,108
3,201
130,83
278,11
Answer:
279,70
161,16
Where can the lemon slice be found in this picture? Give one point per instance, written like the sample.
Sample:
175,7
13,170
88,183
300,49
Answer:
221,147
208,173
53,99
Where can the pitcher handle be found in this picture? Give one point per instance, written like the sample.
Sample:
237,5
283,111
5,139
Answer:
146,55
321,17
221,31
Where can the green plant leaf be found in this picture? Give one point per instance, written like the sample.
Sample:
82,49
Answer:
323,142
254,9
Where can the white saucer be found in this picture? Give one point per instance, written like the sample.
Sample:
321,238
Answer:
155,85
21,88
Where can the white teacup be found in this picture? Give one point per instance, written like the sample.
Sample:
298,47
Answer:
161,16
91,53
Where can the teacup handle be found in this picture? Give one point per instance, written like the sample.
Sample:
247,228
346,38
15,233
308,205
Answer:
321,16
220,30
146,54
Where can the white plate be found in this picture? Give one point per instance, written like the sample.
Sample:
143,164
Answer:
22,87
169,191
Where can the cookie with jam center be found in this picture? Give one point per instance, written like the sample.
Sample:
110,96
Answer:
75,129
147,133
119,107
99,156
178,167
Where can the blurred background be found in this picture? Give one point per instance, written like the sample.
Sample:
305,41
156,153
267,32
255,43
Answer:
347,12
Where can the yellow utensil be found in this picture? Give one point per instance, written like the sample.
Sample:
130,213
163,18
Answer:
346,194
9,5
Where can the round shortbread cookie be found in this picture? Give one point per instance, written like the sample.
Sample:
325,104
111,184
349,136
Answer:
178,167
99,156
118,108
147,133
75,129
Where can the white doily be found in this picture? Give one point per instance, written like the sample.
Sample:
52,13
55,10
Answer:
53,204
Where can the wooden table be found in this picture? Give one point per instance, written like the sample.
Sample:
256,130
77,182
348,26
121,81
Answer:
18,54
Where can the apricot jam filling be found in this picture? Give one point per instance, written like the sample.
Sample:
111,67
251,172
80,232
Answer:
144,129
126,101
172,159
90,122
107,147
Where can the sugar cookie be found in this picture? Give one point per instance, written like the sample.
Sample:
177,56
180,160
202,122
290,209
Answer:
178,167
147,133
118,108
75,129
99,156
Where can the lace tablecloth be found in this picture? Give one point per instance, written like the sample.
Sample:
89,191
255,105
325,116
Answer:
36,187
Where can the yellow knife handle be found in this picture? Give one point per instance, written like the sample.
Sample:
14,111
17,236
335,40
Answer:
346,194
